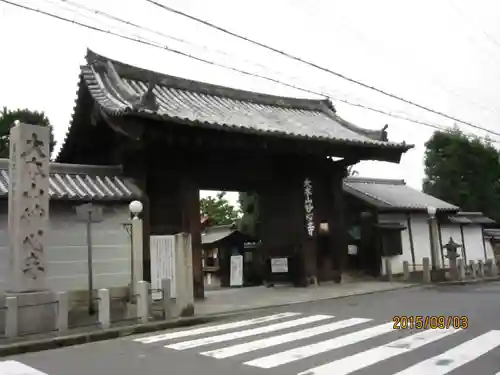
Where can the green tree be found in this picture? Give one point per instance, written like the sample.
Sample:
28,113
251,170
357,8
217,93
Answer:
219,209
7,118
463,171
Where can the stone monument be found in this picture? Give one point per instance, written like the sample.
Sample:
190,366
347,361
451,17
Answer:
28,226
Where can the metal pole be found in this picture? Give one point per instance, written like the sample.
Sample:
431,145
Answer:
432,242
89,263
132,288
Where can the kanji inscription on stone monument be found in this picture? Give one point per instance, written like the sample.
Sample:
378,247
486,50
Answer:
28,206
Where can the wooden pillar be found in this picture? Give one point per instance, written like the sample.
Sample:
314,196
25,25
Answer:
282,229
190,223
337,222
134,160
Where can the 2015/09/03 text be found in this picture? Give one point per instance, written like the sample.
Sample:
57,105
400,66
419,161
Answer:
430,322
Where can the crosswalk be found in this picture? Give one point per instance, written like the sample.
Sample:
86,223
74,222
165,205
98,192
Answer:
271,341
17,368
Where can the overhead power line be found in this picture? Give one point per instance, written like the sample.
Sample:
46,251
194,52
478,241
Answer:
140,27
202,47
155,45
161,34
314,65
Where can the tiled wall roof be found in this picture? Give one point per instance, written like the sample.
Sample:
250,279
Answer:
80,182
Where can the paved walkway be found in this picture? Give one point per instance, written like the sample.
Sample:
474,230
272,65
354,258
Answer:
239,299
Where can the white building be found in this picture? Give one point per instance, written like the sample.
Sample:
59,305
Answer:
66,247
399,215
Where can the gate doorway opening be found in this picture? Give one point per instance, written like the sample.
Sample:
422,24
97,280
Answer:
230,246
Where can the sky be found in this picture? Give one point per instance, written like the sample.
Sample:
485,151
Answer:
442,54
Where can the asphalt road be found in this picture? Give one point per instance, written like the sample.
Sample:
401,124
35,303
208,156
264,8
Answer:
353,335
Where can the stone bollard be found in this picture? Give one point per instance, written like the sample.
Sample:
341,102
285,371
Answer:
388,268
488,265
460,269
494,267
426,277
480,269
406,270
473,269
167,299
11,313
62,312
104,308
143,301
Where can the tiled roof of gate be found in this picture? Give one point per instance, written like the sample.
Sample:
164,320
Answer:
393,194
471,218
121,89
493,233
81,182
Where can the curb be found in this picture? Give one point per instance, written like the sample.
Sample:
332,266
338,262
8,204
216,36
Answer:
36,345
468,282
253,309
101,335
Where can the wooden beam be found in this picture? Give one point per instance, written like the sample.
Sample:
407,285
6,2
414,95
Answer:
410,237
190,200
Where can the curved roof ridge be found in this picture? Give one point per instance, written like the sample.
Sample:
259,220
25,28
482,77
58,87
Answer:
145,75
374,180
70,168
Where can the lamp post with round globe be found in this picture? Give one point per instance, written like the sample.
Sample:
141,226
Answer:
135,208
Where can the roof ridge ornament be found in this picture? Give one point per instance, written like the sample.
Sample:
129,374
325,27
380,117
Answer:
147,100
376,135
124,89
383,133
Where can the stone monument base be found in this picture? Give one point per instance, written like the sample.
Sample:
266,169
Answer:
438,275
36,311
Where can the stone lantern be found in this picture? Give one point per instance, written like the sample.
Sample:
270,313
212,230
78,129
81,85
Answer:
452,254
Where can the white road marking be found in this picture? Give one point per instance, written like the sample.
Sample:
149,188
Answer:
296,354
214,328
457,356
18,368
249,332
247,347
367,358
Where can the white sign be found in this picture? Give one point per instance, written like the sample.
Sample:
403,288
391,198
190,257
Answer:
308,207
352,249
236,271
162,250
279,265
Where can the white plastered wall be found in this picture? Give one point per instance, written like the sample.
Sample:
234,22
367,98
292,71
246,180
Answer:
66,248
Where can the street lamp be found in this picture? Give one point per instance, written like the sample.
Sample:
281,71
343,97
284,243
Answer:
135,208
431,211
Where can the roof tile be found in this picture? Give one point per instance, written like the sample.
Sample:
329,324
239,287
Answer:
393,194
80,182
121,89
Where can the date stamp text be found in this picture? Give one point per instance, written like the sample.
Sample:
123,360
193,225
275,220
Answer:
430,322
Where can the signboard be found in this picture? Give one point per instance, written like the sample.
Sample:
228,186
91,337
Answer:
236,271
308,207
162,249
279,265
352,250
